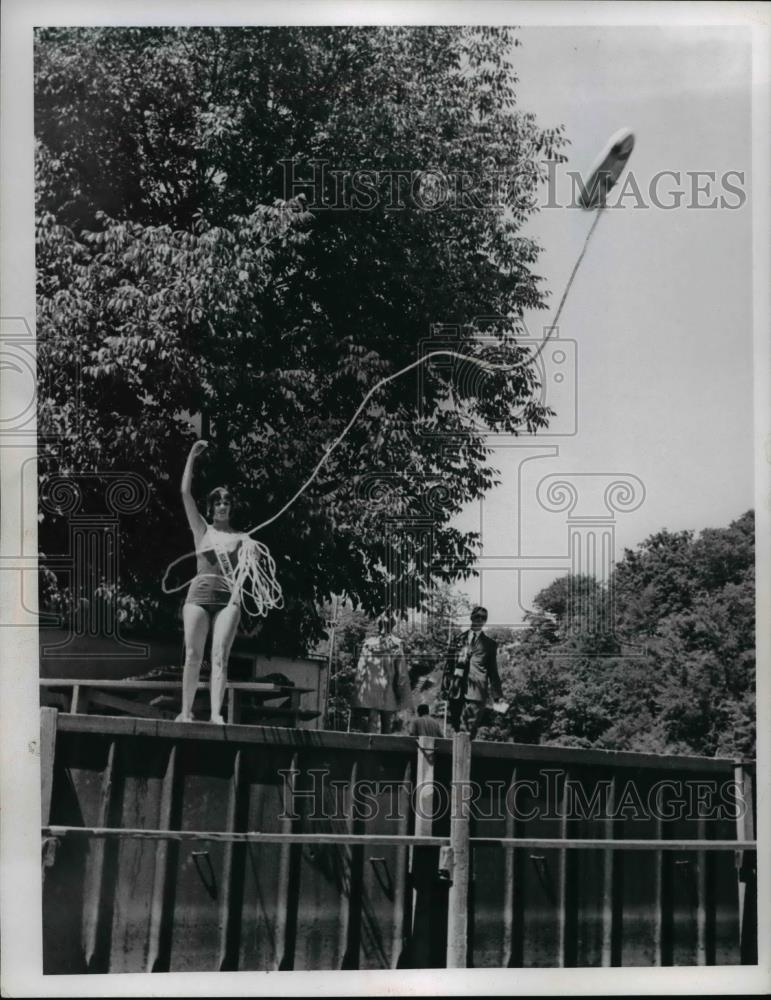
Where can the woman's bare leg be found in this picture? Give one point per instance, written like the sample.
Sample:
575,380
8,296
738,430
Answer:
225,628
196,622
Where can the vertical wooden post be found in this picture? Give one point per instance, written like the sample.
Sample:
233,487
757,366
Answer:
94,889
84,700
661,919
332,624
284,947
424,786
226,916
346,951
700,874
509,876
564,943
423,861
400,878
745,830
48,722
608,880
460,830
158,903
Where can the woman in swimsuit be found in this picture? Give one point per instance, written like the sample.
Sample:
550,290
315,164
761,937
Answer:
210,601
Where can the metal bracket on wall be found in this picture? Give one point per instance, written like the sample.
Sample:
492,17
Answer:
539,860
50,846
383,876
207,876
446,865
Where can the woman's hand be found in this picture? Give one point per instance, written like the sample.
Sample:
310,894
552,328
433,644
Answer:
194,519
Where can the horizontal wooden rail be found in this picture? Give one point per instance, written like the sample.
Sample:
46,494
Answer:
243,735
78,697
255,687
517,753
256,837
224,836
612,759
600,844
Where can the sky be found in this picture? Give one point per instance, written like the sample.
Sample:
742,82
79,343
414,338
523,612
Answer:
660,310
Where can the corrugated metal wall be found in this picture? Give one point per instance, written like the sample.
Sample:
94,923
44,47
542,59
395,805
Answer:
132,905
551,907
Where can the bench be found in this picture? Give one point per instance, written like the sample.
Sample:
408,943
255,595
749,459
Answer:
142,698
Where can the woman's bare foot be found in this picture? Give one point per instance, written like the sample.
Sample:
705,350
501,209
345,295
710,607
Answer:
217,720
183,718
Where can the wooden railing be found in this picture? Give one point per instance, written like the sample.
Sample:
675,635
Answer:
77,696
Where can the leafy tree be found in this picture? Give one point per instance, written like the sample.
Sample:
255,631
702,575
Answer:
179,277
676,676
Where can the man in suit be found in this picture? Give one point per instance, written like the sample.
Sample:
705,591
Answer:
471,672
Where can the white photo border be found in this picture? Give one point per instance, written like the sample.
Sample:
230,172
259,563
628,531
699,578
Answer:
20,900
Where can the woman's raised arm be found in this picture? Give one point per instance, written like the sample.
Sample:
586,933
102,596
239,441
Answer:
196,522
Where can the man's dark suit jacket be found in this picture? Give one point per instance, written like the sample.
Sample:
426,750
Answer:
482,663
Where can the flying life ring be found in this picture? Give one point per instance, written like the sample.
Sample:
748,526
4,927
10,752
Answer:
607,169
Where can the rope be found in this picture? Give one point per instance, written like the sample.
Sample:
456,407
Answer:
573,273
490,365
447,353
254,582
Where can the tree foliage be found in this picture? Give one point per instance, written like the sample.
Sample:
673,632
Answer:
177,276
677,673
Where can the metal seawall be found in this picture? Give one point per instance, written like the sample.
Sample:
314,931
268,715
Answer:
192,847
